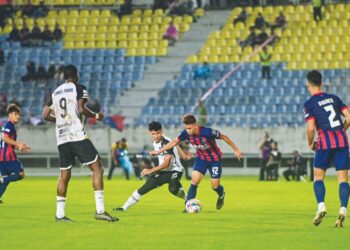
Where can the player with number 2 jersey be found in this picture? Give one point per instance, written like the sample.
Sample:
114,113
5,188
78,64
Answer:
323,112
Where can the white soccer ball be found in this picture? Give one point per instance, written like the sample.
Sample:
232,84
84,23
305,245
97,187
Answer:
193,206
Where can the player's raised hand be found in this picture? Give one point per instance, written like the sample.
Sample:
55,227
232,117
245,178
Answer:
238,154
26,149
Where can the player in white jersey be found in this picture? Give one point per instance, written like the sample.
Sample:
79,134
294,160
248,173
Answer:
168,171
68,104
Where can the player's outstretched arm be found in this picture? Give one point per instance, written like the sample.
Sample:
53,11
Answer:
346,114
183,155
18,145
235,149
170,145
47,115
87,112
310,132
165,164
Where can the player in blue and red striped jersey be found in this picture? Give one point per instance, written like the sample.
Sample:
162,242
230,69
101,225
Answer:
323,112
208,156
10,168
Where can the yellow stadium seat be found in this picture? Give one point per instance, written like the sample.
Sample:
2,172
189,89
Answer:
82,21
123,28
224,59
103,21
69,45
188,19
125,20
122,44
102,29
91,29
140,52
153,44
100,37
106,13
143,36
112,44
137,13
111,36
134,28
101,44
80,29
114,21
163,43
70,29
158,13
112,29
132,36
147,21
153,36
94,13
143,44
184,27
147,13
89,37
122,36
158,20
133,44
151,52
199,12
79,45
90,44
131,52
136,21
162,51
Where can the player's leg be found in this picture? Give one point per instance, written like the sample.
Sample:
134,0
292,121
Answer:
175,186
321,163
215,170
150,184
341,162
199,170
12,171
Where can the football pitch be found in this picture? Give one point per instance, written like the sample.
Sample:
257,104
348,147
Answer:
256,215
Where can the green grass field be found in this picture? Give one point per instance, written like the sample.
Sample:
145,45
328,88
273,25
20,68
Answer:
256,215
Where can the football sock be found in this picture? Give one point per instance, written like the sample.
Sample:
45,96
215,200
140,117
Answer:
219,190
344,191
133,199
100,201
192,192
181,193
320,191
60,205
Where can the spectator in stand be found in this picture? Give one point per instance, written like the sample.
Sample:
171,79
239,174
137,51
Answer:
51,72
28,9
35,35
125,9
265,59
260,22
41,75
59,76
175,8
250,40
2,57
261,37
161,4
317,4
57,33
31,73
24,34
280,22
171,34
46,35
14,34
202,72
242,17
7,10
41,10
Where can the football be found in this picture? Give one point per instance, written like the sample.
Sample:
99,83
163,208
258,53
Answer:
193,206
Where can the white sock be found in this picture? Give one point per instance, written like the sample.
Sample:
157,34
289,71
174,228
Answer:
60,205
134,198
343,210
100,201
321,206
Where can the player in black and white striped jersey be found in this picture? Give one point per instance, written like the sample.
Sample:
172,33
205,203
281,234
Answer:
169,169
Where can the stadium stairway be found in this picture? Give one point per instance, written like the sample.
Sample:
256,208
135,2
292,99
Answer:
132,102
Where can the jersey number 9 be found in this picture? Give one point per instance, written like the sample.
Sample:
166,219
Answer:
63,106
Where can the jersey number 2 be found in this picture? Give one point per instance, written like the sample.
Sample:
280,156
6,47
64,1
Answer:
334,123
63,106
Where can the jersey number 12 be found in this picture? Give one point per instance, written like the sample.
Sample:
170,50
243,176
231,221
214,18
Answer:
333,123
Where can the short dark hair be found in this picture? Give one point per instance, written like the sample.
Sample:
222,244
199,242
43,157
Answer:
314,77
70,72
154,126
189,119
13,108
